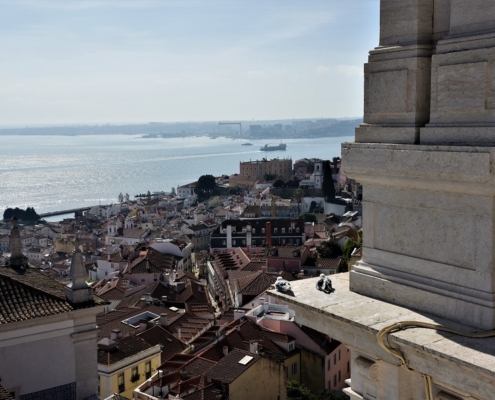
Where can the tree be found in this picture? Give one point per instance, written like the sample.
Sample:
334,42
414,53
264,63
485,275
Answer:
296,391
292,183
278,183
307,217
172,192
270,177
28,215
328,186
298,196
329,249
121,197
148,195
206,184
348,248
312,207
126,197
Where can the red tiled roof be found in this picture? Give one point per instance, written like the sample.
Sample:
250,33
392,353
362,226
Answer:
125,347
228,368
170,344
28,294
4,395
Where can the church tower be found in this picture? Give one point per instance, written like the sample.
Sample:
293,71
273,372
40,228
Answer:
78,291
17,259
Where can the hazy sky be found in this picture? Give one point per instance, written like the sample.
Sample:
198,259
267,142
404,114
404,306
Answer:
64,61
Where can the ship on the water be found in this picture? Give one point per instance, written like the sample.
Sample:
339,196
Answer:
247,144
269,147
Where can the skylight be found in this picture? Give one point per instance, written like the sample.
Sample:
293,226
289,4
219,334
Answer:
245,360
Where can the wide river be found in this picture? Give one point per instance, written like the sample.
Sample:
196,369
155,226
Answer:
52,173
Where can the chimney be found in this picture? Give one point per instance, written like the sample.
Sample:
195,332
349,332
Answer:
109,257
163,320
253,347
268,234
115,334
225,350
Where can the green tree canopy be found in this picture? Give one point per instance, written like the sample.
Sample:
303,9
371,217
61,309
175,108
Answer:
29,214
270,177
206,184
297,391
348,248
329,249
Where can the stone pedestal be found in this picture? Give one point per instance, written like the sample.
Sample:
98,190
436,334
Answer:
461,368
428,228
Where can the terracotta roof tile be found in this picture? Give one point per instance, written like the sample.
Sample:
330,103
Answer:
228,368
28,294
4,395
125,347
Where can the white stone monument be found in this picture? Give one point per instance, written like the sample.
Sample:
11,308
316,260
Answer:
425,156
413,309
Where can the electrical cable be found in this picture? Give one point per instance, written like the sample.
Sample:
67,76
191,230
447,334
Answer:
382,335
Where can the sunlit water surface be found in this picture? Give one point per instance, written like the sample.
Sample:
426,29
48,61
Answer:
53,173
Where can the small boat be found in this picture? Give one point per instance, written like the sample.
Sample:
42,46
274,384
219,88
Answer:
246,144
268,147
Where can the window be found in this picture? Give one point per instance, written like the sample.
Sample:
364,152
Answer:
283,230
134,374
262,230
275,230
120,381
348,367
294,368
297,230
339,376
339,354
329,364
291,346
98,385
335,358
224,242
253,230
335,381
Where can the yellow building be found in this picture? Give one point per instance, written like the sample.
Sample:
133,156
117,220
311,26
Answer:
280,167
124,364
